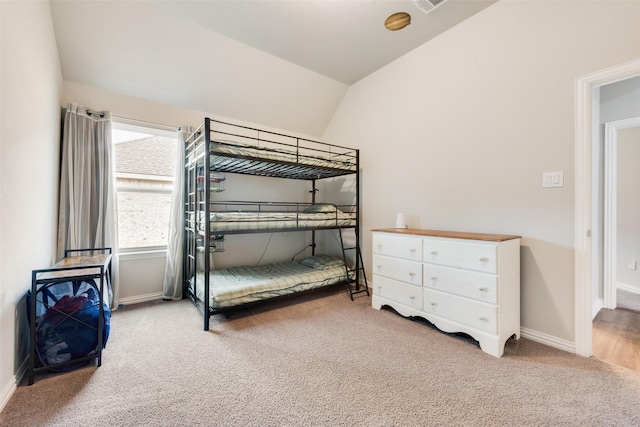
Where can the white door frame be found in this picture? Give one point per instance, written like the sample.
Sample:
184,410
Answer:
610,205
585,218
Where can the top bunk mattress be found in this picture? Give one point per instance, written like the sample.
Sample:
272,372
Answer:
240,149
228,157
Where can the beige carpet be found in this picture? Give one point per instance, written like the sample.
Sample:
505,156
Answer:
627,300
320,362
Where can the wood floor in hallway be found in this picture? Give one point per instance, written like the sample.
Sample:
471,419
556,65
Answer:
616,337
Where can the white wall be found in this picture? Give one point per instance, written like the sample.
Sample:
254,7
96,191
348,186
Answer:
141,276
30,133
457,133
620,100
628,201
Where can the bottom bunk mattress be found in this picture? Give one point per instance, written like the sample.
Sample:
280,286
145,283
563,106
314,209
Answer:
244,284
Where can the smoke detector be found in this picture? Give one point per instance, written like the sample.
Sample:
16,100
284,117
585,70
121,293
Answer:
426,6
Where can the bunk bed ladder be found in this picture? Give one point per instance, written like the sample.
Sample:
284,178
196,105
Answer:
358,269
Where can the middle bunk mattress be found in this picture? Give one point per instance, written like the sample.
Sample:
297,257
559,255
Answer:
235,286
270,216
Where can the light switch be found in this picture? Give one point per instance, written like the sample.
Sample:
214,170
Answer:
552,179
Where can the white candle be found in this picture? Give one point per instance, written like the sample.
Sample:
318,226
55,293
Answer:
400,221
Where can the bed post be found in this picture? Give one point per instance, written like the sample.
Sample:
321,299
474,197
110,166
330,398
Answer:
313,192
185,200
206,219
358,259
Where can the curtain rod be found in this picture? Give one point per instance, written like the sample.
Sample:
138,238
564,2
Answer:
100,114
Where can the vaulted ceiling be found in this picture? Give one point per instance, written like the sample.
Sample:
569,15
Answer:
222,56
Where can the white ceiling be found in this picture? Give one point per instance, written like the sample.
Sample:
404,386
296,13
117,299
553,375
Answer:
190,52
344,40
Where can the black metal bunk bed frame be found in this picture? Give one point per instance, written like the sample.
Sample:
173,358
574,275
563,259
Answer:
199,149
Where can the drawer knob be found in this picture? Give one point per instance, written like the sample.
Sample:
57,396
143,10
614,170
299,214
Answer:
434,253
412,297
434,279
378,266
434,304
412,274
412,250
483,319
484,289
484,259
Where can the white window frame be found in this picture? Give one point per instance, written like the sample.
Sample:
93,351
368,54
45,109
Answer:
155,129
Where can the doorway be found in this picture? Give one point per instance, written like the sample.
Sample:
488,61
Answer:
587,218
616,327
620,263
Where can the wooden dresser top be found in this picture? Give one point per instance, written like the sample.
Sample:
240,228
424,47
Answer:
450,234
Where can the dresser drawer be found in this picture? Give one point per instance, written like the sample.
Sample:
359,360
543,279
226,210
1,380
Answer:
476,315
397,246
472,284
402,293
474,256
399,269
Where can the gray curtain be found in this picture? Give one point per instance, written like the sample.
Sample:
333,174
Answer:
172,288
87,212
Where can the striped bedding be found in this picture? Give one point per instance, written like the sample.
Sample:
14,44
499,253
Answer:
229,221
239,285
279,155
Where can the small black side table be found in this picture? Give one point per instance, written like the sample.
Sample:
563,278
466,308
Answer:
78,265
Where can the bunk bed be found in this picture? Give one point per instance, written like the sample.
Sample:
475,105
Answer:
217,149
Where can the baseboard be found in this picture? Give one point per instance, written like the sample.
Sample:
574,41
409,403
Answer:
549,340
140,298
11,387
628,288
7,392
596,307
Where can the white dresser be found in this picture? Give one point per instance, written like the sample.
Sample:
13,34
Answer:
460,282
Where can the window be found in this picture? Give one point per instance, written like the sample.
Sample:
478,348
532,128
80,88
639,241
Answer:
145,161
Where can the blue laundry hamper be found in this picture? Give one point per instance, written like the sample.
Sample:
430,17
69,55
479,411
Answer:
67,316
